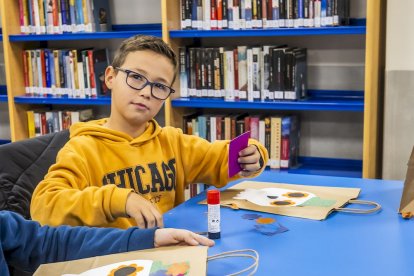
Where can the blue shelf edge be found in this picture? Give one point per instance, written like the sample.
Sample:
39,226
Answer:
3,93
339,30
326,166
62,100
2,141
322,100
118,31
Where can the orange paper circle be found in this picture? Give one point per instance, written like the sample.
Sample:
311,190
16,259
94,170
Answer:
265,220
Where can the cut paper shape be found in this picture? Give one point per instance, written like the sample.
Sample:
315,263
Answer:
175,269
276,197
265,220
133,267
251,216
319,202
270,229
236,145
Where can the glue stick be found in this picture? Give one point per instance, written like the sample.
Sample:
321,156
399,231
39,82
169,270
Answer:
213,202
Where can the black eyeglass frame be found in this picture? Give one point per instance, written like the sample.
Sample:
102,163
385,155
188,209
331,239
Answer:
147,82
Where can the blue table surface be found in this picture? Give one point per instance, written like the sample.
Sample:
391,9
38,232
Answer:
344,244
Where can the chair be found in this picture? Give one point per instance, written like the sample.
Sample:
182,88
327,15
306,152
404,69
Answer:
23,165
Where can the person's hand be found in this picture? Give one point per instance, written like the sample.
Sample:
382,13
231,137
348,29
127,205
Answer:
143,211
172,236
249,160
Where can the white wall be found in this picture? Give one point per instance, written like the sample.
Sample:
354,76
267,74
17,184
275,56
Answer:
135,11
399,89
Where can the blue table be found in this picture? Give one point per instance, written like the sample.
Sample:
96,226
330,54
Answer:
343,244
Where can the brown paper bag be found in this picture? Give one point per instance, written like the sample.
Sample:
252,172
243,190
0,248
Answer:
337,195
407,199
195,257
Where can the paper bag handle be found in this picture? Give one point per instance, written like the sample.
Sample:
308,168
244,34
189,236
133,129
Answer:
359,211
247,253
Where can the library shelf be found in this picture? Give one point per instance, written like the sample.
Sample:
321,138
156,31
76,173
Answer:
62,100
3,93
3,141
340,30
322,100
325,166
118,31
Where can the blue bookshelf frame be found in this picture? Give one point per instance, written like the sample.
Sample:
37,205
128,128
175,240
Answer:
326,166
118,31
2,141
340,30
3,93
62,100
322,100
318,100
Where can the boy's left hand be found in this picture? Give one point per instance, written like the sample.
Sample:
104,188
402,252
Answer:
249,160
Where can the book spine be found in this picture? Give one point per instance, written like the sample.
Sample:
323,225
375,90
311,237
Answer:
183,72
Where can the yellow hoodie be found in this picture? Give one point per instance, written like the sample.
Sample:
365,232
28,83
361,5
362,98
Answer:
97,169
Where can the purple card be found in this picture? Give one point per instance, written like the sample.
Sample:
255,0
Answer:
236,145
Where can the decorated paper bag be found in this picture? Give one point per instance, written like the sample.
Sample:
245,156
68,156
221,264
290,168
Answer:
174,260
304,201
407,199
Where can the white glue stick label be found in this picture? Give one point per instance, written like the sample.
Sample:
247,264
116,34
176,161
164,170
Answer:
214,218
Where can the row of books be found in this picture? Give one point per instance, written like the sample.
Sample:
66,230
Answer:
255,14
71,73
63,16
263,73
279,134
45,122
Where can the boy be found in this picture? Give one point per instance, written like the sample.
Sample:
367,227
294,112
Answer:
126,170
26,245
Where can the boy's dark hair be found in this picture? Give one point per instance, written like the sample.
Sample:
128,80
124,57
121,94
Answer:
144,42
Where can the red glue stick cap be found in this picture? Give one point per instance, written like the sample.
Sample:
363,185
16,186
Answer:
213,197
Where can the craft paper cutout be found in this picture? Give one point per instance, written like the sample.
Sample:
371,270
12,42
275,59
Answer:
270,229
277,197
251,216
266,226
175,269
319,202
236,145
133,267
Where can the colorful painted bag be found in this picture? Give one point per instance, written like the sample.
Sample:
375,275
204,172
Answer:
407,198
305,201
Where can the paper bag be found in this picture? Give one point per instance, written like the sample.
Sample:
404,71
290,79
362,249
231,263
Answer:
407,199
178,259
323,201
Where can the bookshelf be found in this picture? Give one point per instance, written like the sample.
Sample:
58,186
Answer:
14,43
367,102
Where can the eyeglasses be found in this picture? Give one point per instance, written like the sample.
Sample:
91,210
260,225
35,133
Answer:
138,82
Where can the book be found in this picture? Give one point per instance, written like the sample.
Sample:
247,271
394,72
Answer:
101,16
100,62
289,142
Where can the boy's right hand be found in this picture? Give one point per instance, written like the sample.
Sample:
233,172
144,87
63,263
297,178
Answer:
143,211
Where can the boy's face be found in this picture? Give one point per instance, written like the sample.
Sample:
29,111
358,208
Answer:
132,108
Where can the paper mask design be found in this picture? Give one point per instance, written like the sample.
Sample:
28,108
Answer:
277,197
133,267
